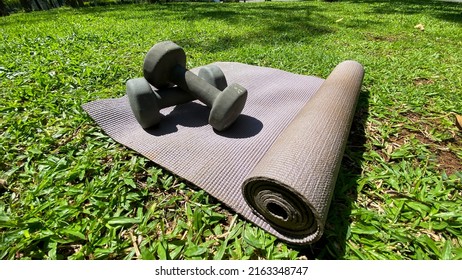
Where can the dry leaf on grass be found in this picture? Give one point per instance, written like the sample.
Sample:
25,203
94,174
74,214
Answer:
420,26
459,121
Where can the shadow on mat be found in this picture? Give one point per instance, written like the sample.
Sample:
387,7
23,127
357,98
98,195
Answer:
244,127
188,115
193,114
332,244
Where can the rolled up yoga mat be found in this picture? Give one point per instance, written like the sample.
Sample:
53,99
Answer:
276,165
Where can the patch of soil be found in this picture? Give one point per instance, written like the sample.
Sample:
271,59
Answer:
422,81
377,38
446,160
413,117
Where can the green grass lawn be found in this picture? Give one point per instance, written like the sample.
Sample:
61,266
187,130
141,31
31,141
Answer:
67,191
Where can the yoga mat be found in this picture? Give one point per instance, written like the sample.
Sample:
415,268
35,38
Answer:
276,165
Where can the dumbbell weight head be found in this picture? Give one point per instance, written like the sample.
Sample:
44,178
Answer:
159,63
143,102
224,110
227,107
213,75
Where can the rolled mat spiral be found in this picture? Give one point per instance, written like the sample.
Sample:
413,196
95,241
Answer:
276,166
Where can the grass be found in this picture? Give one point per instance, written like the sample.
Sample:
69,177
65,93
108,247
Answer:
67,191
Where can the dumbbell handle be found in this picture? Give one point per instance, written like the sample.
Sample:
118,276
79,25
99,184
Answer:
169,97
163,98
193,84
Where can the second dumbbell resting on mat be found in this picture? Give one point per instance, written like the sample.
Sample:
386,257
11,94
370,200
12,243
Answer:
146,102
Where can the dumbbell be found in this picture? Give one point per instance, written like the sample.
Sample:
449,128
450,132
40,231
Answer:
146,102
165,65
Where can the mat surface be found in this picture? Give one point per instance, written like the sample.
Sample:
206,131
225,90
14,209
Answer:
276,165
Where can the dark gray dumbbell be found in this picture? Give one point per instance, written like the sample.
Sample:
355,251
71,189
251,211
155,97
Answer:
165,64
146,102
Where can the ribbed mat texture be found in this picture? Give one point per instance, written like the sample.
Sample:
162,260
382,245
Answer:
276,166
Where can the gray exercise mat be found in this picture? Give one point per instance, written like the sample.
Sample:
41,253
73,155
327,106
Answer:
276,165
